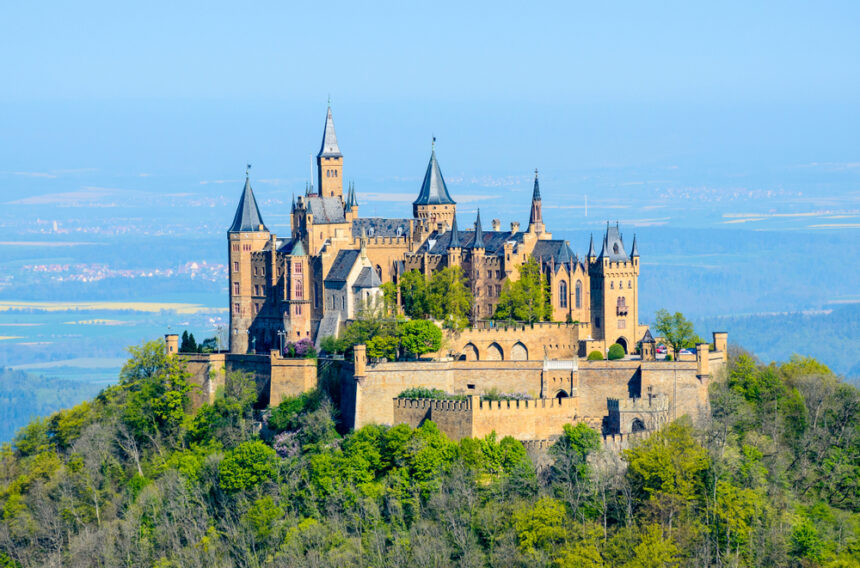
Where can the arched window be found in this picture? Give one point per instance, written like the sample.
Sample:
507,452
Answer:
379,271
562,293
612,285
328,173
621,307
578,294
630,284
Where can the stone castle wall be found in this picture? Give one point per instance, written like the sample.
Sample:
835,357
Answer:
515,343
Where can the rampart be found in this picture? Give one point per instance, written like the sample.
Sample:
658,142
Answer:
475,418
514,343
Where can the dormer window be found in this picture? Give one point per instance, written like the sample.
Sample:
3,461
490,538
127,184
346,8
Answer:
615,248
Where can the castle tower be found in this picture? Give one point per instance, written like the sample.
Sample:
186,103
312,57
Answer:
330,162
454,249
434,203
476,265
246,236
615,292
350,207
536,216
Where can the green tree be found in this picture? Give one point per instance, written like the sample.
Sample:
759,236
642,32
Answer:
570,469
676,329
527,299
389,298
653,550
449,298
383,346
414,294
615,352
420,337
247,466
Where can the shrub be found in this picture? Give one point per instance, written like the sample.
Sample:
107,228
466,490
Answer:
424,392
615,352
331,344
668,356
302,349
494,394
595,356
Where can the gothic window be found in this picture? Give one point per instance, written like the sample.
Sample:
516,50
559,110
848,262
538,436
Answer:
297,267
235,288
562,293
255,271
236,248
578,294
621,307
615,248
612,285
298,310
300,291
622,324
328,173
235,266
379,271
630,284
236,308
256,309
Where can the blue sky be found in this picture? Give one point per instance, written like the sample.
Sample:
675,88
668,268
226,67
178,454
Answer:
604,98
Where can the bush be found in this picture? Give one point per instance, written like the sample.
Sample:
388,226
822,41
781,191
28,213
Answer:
595,356
424,392
302,349
331,344
668,356
615,352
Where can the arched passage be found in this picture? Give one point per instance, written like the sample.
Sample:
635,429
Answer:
470,352
494,352
519,352
623,343
637,426
561,394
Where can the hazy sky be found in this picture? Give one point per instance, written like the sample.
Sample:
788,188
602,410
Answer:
161,96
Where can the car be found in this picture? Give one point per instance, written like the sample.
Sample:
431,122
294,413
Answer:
661,349
685,352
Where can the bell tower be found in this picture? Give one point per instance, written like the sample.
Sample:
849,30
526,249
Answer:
330,161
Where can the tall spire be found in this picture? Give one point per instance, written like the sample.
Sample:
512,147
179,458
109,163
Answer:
433,189
455,235
329,147
247,216
536,216
536,192
635,250
591,253
479,233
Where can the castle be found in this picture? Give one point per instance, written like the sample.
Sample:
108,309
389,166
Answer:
310,285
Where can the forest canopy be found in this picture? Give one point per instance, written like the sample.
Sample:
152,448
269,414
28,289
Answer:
136,478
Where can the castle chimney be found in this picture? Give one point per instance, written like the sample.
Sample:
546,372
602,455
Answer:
515,227
497,224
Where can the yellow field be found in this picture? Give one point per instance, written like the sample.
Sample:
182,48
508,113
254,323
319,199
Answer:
180,308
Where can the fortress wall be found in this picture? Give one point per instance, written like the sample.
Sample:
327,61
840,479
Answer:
523,419
599,380
291,377
687,392
555,340
207,374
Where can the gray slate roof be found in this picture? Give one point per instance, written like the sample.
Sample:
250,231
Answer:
494,241
648,338
326,210
342,265
613,247
379,227
247,216
367,278
454,241
329,147
433,189
557,250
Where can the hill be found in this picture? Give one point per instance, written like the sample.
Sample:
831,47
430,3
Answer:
134,478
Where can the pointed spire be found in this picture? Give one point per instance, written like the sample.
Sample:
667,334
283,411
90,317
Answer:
455,235
293,203
433,189
635,250
478,243
536,192
329,147
247,216
298,249
591,247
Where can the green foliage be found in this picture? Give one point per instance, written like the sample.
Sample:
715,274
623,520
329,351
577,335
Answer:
770,480
188,344
449,297
414,294
247,466
528,299
595,356
420,337
423,392
389,298
615,352
676,329
383,346
332,345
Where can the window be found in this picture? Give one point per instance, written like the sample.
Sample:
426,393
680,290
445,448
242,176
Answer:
489,290
298,310
235,288
562,293
612,285
622,324
300,291
328,173
597,321
630,284
256,290
256,309
236,247
621,307
236,308
578,294
489,274
297,267
235,266
255,271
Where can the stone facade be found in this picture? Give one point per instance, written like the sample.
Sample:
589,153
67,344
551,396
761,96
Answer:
277,286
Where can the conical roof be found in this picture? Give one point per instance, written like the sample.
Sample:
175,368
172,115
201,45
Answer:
329,147
298,249
455,235
536,191
635,251
247,216
479,233
591,247
433,190
648,338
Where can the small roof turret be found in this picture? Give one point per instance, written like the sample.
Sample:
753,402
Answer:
648,338
433,189
455,235
635,250
478,243
591,253
247,216
298,249
613,247
329,147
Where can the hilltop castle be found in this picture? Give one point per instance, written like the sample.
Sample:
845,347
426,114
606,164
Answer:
308,285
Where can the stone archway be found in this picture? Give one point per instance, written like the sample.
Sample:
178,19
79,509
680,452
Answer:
561,394
470,352
637,425
495,353
519,352
623,343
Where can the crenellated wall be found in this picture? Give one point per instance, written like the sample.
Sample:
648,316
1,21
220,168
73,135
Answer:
515,343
